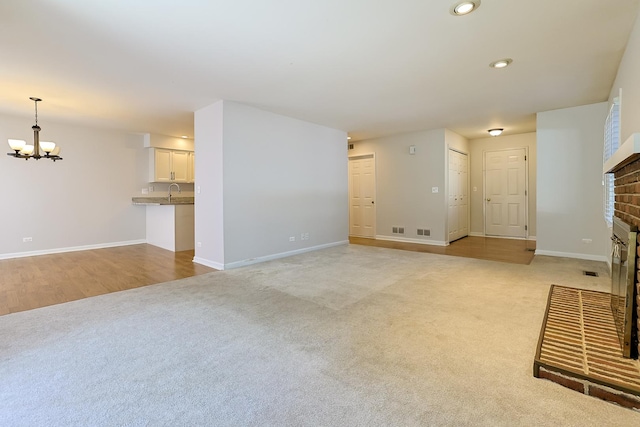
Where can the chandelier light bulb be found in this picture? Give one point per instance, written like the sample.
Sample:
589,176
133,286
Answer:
17,144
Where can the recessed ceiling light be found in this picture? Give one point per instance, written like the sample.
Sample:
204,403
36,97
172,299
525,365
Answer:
349,138
184,137
501,63
464,7
495,132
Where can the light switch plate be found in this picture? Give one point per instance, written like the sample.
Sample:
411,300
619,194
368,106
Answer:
434,189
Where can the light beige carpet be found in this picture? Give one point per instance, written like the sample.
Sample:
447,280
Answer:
352,335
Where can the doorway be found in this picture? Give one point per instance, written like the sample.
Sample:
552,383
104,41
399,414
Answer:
362,190
505,191
458,201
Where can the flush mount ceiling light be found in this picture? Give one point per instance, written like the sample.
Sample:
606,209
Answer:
24,151
501,63
495,132
464,7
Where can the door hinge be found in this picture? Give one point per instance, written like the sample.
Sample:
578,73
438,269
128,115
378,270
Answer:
525,192
526,227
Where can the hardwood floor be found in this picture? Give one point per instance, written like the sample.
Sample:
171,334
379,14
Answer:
493,249
39,281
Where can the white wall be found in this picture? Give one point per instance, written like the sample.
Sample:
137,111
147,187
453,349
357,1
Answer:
478,148
209,202
569,145
628,79
404,182
82,201
281,177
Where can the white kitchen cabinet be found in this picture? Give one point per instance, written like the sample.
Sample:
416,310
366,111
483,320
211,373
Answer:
169,165
180,166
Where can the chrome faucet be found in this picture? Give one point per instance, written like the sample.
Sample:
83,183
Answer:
171,185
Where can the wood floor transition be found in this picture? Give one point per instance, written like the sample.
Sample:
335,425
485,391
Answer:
513,251
39,281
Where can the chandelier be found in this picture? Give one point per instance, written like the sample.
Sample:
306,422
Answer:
24,151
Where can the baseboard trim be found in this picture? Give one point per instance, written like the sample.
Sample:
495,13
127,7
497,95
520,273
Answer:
476,234
409,240
587,257
257,260
208,263
72,249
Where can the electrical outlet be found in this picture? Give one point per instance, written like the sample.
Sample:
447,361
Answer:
586,240
434,189
292,238
151,189
199,244
145,191
27,239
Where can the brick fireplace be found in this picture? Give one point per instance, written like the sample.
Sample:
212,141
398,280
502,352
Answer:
627,208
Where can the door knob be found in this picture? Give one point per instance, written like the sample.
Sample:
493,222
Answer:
372,202
488,200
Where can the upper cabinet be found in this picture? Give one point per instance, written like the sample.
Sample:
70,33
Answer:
170,165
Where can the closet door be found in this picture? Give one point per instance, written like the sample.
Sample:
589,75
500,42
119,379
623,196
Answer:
458,205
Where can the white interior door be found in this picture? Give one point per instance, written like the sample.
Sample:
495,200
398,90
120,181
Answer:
458,205
362,186
505,193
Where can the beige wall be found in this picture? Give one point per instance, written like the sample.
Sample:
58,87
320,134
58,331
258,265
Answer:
570,193
81,202
265,178
477,149
404,182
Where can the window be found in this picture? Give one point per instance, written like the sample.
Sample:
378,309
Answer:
611,144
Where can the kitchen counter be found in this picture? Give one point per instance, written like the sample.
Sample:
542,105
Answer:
156,200
170,223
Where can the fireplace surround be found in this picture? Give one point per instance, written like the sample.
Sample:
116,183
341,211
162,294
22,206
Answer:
627,210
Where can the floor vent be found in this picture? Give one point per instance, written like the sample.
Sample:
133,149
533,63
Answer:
590,273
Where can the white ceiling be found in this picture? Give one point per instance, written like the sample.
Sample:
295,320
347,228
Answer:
368,67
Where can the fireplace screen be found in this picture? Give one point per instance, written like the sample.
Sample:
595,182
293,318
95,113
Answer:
623,274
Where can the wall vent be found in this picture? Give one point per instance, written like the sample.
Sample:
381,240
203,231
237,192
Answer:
400,230
424,232
397,230
350,146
